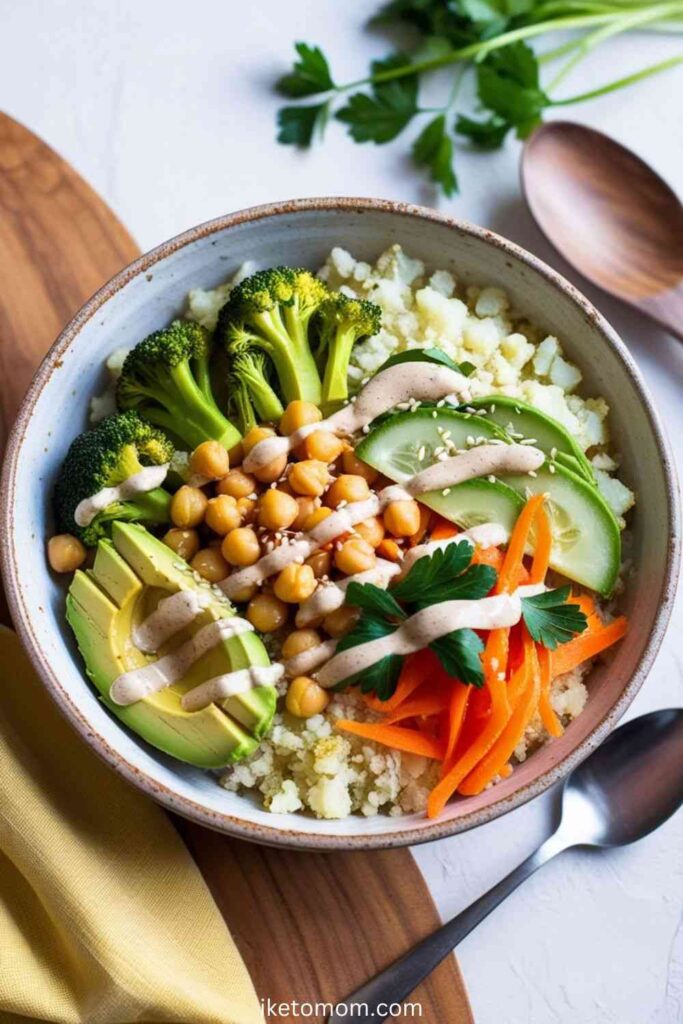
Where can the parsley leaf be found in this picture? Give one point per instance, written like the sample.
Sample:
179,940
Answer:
382,115
373,599
309,75
432,574
298,125
433,148
382,677
488,134
551,618
476,582
508,85
460,654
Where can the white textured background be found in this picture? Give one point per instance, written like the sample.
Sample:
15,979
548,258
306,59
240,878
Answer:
165,107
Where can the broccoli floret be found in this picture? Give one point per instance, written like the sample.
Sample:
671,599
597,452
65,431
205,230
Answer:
272,311
117,448
166,379
342,322
252,397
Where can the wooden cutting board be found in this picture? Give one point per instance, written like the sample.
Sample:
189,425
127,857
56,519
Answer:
311,927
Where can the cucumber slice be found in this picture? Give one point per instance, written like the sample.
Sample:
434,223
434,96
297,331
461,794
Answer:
476,502
399,439
586,544
520,418
586,537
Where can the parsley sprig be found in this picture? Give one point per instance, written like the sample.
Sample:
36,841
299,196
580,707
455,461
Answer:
486,38
447,575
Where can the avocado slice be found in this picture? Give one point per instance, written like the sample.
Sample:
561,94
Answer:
131,573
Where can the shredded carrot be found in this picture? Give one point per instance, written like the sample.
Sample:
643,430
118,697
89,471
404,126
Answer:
587,606
418,706
442,530
549,718
395,736
457,706
500,712
586,646
510,572
488,556
416,668
524,691
506,771
388,548
543,548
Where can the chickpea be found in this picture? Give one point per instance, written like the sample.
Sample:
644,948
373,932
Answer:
305,698
222,514
390,550
320,562
65,553
272,470
323,445
340,620
295,583
266,613
354,465
244,594
309,477
348,487
253,436
237,484
210,459
210,564
277,510
306,506
316,517
188,506
298,641
371,530
241,546
185,543
299,414
355,555
247,509
402,518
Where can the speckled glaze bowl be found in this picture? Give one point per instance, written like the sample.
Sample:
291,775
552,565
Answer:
149,293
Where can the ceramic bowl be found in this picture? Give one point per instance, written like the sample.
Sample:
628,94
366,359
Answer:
149,293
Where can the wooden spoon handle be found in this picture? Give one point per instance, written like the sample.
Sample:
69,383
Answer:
666,309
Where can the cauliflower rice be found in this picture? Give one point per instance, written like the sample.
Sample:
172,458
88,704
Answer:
305,765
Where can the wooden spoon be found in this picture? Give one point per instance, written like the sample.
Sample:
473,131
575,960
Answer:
609,215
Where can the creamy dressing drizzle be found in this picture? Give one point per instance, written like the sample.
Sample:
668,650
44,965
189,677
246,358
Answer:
230,684
138,683
387,389
484,460
306,662
421,629
170,616
139,483
330,596
487,535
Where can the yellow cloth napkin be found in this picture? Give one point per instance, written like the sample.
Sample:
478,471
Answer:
104,917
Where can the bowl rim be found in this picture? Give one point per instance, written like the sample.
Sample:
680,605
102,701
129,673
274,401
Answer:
229,823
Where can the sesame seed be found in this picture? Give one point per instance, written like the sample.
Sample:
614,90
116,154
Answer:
443,457
434,414
529,440
491,478
446,491
469,441
493,408
440,404
553,453
421,454
533,473
551,468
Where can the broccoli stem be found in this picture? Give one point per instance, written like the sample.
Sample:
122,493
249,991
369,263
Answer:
294,363
335,386
193,416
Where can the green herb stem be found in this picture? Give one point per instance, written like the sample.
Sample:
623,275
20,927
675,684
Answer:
620,83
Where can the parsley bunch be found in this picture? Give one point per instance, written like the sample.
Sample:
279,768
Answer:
447,575
486,38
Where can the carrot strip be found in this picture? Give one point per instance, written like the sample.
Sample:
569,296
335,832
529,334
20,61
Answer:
488,556
415,708
524,691
442,530
544,544
587,605
550,720
509,574
394,736
586,646
506,771
457,706
500,712
416,668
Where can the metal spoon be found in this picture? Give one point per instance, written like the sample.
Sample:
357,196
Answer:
610,215
624,790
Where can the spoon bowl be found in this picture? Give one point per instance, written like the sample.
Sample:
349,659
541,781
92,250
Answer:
628,786
610,215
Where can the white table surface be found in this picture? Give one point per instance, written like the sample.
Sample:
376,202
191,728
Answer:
165,107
